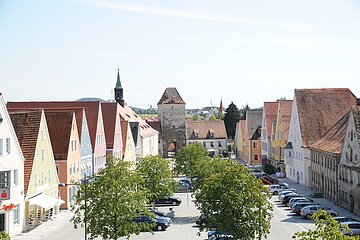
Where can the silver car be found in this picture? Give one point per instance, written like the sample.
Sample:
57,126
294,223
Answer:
354,227
307,211
295,200
284,193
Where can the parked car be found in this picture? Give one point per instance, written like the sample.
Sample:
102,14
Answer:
183,187
277,188
186,181
345,219
160,223
307,211
201,221
287,198
214,235
296,208
169,201
354,228
266,179
161,214
284,193
298,199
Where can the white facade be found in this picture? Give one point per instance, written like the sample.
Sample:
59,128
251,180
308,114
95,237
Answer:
11,169
265,141
215,144
150,145
297,159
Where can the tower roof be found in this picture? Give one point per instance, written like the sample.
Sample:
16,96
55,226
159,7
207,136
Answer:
171,96
118,82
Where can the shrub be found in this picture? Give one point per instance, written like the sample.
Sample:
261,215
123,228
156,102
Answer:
4,236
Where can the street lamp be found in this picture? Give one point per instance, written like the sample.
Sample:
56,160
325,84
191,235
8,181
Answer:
78,184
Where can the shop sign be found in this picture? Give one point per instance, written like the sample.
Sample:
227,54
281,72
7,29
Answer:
4,193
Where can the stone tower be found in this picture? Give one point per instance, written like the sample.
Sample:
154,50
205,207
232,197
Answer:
171,113
119,91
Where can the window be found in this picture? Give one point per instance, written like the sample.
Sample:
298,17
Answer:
4,179
71,168
289,153
16,176
256,157
16,214
254,144
1,147
351,154
49,173
220,144
42,135
36,182
211,144
8,145
42,154
204,144
42,177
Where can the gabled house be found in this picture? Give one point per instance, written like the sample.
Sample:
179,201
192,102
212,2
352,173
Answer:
94,123
269,115
314,111
349,165
211,134
40,174
240,139
137,139
129,151
148,136
280,133
11,176
252,144
112,126
67,153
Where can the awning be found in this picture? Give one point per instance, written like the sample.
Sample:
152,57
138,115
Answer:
45,201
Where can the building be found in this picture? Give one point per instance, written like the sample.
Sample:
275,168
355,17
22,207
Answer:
349,165
40,174
65,143
112,127
149,137
94,123
314,111
211,134
171,114
268,117
280,134
128,143
239,141
11,176
252,143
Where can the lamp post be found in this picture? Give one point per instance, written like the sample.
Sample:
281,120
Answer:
77,184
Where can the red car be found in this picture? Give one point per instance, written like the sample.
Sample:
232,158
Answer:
268,180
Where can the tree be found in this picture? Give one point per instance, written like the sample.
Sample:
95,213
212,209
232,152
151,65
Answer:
234,202
157,177
231,117
4,236
243,111
110,201
188,156
326,229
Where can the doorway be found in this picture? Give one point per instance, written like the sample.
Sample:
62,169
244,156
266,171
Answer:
352,205
2,222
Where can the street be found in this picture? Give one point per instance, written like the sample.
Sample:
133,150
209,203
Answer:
283,225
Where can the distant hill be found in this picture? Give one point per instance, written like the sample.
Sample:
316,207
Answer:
144,111
91,99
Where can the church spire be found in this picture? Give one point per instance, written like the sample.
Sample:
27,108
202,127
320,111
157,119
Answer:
119,91
118,82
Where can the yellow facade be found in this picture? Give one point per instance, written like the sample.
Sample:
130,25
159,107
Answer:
129,152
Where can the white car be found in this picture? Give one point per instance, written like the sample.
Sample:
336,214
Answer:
307,211
354,228
275,189
284,193
295,200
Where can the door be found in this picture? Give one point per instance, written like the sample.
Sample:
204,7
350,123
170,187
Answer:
2,222
352,203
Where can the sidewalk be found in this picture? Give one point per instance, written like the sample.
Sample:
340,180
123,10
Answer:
305,191
47,228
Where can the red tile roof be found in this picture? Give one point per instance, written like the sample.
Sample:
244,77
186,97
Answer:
155,125
27,125
109,111
91,111
59,126
171,96
129,115
205,129
270,109
320,109
333,140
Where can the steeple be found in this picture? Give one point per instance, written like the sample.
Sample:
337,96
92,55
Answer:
119,91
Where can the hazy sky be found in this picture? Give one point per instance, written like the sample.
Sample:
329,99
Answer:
241,51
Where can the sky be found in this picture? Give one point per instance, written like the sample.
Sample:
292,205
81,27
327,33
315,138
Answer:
235,50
